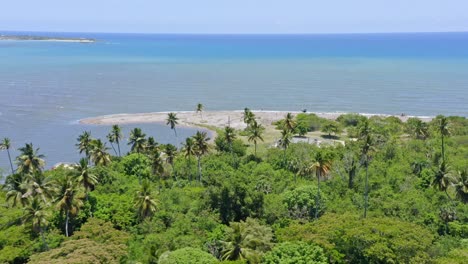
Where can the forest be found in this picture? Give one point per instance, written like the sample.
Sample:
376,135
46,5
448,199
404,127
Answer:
392,192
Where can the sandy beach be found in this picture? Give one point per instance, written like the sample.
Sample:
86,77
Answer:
217,119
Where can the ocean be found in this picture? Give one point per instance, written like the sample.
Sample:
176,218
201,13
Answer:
46,87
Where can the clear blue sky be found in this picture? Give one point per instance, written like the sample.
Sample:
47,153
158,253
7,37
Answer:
235,16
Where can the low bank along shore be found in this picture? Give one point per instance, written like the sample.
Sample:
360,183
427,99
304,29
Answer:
217,119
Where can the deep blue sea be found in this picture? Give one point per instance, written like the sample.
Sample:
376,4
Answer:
47,86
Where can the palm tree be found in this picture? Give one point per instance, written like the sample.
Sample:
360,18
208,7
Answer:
110,138
443,178
461,186
189,151
289,122
420,129
249,116
69,200
99,154
170,151
156,162
230,136
36,214
200,109
255,132
15,186
321,165
84,143
151,145
201,148
137,140
443,128
37,184
6,145
285,141
29,161
85,177
366,140
117,136
144,202
172,121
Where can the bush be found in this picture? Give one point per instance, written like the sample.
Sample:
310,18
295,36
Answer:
295,253
187,256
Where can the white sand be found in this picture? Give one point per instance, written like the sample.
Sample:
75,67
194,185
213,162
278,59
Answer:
217,119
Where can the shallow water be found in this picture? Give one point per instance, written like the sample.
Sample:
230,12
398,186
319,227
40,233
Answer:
47,86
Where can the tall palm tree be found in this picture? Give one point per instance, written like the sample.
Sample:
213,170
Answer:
366,140
321,165
249,116
6,145
69,200
29,161
230,136
171,152
285,141
85,177
443,178
84,143
15,186
137,140
36,214
110,138
117,136
255,132
201,148
172,121
39,186
189,151
289,122
200,109
99,154
144,201
443,128
461,186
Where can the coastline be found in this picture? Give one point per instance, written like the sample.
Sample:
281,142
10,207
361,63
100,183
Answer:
215,119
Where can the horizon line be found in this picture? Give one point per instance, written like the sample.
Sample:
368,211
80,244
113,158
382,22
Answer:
239,33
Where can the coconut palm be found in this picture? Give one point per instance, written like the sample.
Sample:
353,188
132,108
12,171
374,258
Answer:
151,145
116,136
321,165
229,136
39,186
189,151
200,109
85,177
443,178
201,148
366,140
285,141
99,154
443,129
172,121
84,143
420,129
110,138
461,186
36,214
171,152
249,116
69,200
145,203
289,122
137,140
255,132
29,161
15,187
157,165
6,145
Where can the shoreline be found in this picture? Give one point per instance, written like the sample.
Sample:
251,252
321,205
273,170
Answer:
217,119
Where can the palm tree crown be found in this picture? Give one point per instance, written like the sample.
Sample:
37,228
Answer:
84,143
29,161
85,177
144,202
99,154
255,132
6,145
172,121
137,140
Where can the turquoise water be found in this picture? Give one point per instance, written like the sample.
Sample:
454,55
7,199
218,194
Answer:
47,86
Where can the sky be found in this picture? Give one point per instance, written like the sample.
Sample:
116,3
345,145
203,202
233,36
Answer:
235,16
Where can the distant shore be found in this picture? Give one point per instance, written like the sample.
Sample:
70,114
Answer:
43,38
216,119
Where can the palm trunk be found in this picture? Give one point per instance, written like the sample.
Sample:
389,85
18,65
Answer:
175,132
118,147
443,150
112,145
44,243
351,175
199,169
255,143
11,164
67,217
189,169
317,201
366,195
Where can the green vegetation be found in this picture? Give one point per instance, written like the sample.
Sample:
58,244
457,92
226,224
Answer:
394,192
